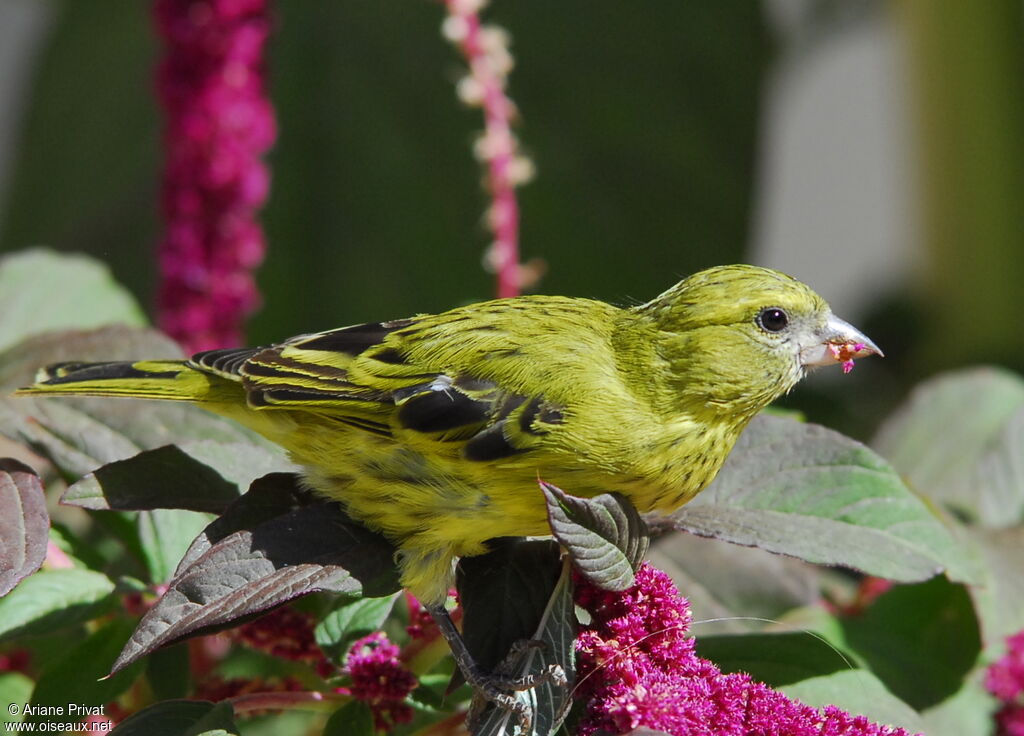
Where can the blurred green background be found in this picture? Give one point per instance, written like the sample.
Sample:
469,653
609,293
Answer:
874,149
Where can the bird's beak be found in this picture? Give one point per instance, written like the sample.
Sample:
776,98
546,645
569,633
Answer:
838,342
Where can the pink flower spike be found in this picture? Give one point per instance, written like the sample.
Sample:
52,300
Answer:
218,123
485,49
847,365
638,669
380,680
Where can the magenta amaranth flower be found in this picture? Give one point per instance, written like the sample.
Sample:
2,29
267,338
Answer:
285,633
379,680
212,87
421,624
1010,721
1005,680
638,668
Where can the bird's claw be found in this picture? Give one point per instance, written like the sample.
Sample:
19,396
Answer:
498,687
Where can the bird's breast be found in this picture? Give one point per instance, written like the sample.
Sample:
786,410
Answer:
679,464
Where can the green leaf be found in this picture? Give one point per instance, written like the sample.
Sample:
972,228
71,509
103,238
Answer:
165,536
547,703
308,549
15,689
81,434
968,711
41,290
179,718
999,600
959,440
349,620
806,491
734,589
78,677
24,525
605,536
218,722
168,672
82,552
53,599
774,659
352,719
920,640
861,693
197,476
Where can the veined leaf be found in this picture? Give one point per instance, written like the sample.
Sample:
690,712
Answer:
605,536
42,290
78,677
24,523
959,440
503,595
231,575
734,589
196,476
857,691
349,620
179,718
806,491
53,599
548,702
920,640
774,659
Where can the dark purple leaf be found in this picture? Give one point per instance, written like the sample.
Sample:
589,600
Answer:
180,718
250,570
169,477
268,497
24,523
604,535
503,595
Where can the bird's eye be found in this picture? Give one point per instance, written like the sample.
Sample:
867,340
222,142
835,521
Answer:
772,319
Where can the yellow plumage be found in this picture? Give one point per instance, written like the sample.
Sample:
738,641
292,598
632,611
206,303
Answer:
435,429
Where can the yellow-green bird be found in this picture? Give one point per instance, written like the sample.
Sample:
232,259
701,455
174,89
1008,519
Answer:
434,429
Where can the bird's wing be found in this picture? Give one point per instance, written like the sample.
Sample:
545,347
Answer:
364,377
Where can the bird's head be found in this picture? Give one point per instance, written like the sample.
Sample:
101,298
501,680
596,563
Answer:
735,338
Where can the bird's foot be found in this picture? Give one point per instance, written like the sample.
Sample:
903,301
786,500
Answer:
497,687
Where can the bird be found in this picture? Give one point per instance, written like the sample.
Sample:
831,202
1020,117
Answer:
433,430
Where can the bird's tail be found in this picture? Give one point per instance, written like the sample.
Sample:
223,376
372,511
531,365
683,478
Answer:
173,380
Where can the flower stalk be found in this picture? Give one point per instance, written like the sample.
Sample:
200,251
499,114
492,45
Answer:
218,123
485,49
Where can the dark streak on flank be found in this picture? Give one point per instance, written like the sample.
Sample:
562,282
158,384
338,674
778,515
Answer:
366,425
551,414
390,356
540,412
509,404
440,411
490,444
527,416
